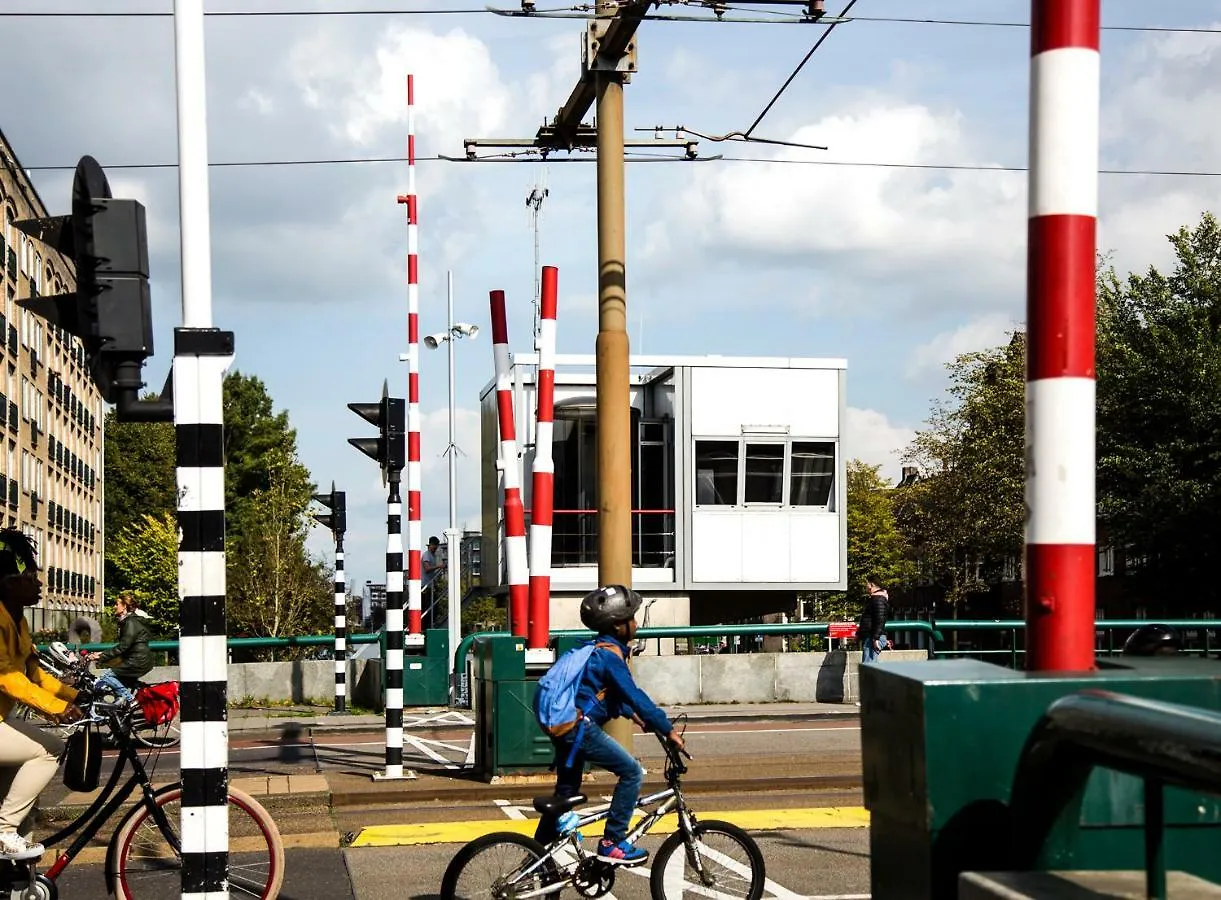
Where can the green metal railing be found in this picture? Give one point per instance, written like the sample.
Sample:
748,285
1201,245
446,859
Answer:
1109,627
1161,743
251,643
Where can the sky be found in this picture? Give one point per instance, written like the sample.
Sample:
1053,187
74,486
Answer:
897,268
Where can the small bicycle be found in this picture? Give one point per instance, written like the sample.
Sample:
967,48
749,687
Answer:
718,859
143,854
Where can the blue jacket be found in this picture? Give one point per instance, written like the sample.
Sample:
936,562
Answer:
607,671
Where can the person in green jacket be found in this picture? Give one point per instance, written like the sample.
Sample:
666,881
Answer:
132,653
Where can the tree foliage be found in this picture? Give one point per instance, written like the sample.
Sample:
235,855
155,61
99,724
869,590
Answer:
144,557
273,584
1159,411
964,517
274,588
139,471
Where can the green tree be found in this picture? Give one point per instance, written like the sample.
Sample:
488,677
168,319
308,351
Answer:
1159,414
965,515
139,472
258,443
144,556
274,588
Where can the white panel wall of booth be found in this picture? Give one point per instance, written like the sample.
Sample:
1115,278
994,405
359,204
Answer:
725,400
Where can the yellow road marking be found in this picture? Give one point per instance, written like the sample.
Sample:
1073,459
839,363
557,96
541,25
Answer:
750,819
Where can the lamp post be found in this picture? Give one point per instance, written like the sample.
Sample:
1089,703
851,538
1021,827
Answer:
454,331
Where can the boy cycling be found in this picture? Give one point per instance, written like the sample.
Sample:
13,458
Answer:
607,691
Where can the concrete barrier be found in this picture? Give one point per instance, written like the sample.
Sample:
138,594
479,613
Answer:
295,681
831,677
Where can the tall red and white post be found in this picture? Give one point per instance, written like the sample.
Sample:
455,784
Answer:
415,537
1060,376
542,488
515,512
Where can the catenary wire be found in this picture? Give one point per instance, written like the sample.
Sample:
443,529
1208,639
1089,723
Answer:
818,43
469,11
943,167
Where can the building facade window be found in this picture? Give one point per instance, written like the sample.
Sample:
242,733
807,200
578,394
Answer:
716,473
764,473
813,473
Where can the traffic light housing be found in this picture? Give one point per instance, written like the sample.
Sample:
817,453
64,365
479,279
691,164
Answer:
337,518
389,448
111,308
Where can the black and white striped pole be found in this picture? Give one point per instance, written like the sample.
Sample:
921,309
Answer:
390,450
337,521
202,354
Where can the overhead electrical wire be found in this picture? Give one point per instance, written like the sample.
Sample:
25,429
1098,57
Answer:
641,157
470,11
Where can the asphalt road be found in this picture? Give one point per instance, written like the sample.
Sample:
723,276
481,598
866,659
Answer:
815,861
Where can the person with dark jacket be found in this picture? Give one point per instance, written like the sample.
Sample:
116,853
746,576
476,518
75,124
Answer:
872,630
135,659
607,691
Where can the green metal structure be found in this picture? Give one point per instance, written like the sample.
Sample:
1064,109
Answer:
942,742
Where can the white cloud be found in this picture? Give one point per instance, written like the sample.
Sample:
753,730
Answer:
952,229
980,334
870,437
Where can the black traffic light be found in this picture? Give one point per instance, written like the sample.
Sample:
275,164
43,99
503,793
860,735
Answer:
390,416
337,518
111,308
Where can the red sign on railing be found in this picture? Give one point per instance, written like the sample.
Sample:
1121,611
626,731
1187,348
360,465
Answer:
841,629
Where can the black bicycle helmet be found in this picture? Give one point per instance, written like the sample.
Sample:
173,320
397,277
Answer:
1152,640
603,609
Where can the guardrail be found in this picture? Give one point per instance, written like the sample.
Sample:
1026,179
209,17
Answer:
1162,743
1108,626
664,631
253,643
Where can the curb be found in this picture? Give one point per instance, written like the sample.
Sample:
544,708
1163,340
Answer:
353,798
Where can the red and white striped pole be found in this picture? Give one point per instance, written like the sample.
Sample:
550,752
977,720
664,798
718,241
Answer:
415,536
1060,377
515,512
543,478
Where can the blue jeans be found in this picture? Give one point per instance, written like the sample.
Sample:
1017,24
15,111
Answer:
604,752
868,653
109,679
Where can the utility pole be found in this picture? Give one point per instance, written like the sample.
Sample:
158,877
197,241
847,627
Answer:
608,61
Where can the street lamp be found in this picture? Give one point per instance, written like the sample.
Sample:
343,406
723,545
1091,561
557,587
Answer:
455,331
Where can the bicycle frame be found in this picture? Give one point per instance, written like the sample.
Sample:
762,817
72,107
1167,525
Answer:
109,801
668,800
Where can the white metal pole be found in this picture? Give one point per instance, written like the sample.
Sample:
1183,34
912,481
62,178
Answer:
452,536
193,164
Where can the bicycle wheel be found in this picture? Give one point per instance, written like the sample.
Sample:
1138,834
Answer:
484,867
164,735
147,868
731,860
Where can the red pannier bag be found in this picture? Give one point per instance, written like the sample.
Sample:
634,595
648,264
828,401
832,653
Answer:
158,702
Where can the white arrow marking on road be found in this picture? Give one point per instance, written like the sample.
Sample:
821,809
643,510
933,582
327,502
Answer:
516,813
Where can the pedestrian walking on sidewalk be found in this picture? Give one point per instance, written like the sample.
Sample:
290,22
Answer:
872,630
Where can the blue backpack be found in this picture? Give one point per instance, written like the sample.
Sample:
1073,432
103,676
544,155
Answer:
555,704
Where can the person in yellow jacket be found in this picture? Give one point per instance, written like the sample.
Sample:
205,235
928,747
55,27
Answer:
29,757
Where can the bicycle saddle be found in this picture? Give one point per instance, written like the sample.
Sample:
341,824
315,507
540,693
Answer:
555,806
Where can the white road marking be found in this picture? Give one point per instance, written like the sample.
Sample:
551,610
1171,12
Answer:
513,812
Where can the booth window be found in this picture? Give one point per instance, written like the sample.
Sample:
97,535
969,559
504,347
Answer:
764,473
813,473
716,473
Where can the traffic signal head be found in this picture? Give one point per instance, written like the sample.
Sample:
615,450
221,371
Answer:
111,309
337,503
389,448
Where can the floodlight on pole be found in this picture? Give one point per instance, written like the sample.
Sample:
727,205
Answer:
455,331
